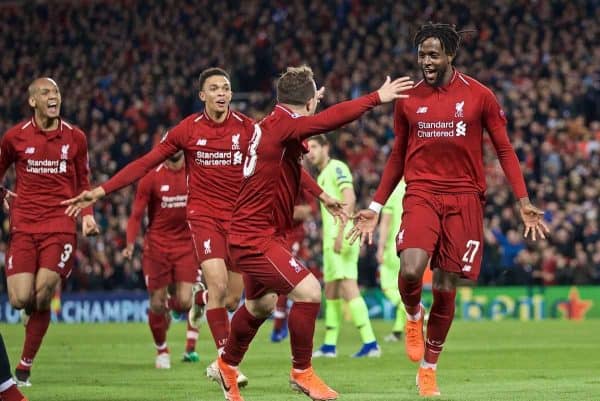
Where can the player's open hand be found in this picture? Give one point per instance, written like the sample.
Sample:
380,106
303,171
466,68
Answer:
533,218
335,207
391,90
365,222
320,93
89,227
81,201
128,252
6,194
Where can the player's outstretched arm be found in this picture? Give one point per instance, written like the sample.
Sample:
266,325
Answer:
533,219
83,200
365,222
5,195
345,112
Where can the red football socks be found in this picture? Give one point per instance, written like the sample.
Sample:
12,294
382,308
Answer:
280,312
410,291
11,393
218,321
243,329
34,334
440,320
159,323
301,324
191,338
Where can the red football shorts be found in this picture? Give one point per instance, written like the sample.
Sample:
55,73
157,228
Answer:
28,253
162,267
210,240
448,226
268,266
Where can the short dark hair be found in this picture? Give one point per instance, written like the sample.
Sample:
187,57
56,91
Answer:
445,33
321,139
209,72
296,86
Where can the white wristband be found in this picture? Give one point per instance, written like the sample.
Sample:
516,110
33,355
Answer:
376,207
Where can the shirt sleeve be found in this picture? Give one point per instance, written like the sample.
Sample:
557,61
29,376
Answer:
394,168
343,176
172,141
7,155
142,198
309,184
494,121
333,117
82,168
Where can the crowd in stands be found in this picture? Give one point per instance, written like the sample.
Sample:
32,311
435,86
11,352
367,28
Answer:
128,70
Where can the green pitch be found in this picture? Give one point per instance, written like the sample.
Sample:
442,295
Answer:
550,360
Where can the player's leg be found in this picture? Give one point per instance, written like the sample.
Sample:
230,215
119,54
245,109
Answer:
159,321
235,287
216,276
303,315
183,301
360,317
8,387
460,256
280,330
333,318
388,278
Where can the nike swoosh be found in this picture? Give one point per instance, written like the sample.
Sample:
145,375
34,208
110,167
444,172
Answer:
223,382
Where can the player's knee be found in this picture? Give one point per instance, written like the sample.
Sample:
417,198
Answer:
158,305
232,301
43,298
218,293
309,290
18,300
411,272
185,301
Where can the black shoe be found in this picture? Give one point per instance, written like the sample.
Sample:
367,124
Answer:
22,377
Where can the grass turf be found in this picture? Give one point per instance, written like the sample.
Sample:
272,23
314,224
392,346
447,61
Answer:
549,360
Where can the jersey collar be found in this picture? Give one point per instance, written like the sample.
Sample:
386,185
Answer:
57,133
213,123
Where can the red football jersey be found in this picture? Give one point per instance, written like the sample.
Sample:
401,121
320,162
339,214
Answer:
164,192
439,140
213,158
272,169
50,166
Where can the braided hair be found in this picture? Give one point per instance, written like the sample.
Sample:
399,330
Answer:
445,33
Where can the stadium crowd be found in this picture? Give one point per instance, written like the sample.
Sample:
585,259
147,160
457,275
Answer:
128,69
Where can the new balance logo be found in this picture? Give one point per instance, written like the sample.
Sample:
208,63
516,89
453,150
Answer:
461,128
30,150
164,188
201,142
422,110
207,249
467,268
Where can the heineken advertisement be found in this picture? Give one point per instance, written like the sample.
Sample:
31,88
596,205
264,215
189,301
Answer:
498,303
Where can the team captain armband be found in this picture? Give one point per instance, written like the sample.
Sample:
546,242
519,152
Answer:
376,207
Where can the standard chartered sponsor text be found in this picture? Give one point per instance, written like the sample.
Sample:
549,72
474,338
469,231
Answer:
169,202
435,129
46,166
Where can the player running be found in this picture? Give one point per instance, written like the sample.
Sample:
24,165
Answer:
169,257
389,262
51,161
340,258
438,149
264,212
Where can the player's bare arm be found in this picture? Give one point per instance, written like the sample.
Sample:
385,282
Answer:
6,194
533,219
83,200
